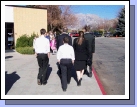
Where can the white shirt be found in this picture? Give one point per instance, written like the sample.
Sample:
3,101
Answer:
42,45
65,51
34,43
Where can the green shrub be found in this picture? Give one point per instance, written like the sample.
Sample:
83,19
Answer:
22,41
26,40
25,50
31,38
100,32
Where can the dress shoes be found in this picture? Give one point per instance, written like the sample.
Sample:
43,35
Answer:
44,83
90,74
79,82
64,90
38,82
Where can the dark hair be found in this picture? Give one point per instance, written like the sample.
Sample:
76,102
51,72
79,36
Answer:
66,39
87,28
65,29
80,38
42,31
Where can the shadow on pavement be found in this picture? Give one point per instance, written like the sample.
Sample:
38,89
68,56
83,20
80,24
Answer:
11,50
8,57
10,79
48,72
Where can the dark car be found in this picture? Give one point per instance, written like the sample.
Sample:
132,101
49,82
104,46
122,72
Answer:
118,34
97,34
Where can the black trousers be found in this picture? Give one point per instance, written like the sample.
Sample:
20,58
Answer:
43,61
66,67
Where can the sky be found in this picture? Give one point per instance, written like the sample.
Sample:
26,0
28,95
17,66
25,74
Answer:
103,11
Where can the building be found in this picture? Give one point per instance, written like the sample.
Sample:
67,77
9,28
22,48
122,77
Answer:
21,20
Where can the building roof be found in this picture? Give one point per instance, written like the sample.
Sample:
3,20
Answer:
26,7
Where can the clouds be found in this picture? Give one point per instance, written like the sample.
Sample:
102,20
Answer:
89,19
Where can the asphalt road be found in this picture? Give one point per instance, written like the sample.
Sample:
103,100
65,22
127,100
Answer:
109,63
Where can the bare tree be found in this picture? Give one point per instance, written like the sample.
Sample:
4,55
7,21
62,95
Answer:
67,16
109,24
58,16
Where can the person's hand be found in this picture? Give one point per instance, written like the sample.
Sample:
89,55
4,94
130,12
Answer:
59,61
48,55
73,62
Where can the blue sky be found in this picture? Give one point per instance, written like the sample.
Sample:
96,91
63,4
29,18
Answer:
103,11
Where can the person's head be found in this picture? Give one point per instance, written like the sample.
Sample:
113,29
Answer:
65,29
47,34
81,37
81,34
83,30
66,40
87,28
42,31
53,37
50,33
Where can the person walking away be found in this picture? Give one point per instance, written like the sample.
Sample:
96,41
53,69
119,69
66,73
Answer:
81,50
65,57
51,35
42,50
60,38
91,40
60,42
53,45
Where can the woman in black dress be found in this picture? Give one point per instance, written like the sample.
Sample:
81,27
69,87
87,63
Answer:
80,46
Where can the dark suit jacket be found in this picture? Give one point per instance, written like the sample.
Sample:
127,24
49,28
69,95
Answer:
91,41
81,51
60,40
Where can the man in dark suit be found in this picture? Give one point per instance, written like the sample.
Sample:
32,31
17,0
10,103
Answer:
60,38
91,39
59,41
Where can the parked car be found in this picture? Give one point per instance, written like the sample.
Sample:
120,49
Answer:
118,34
74,34
97,34
108,35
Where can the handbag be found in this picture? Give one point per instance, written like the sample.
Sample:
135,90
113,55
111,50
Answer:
89,62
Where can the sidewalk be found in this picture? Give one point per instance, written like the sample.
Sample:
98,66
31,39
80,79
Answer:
24,81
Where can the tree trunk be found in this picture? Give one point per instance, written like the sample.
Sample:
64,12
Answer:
53,28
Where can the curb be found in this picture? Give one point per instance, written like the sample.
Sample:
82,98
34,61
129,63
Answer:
99,82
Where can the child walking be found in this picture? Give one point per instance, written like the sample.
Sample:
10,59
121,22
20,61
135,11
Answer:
53,45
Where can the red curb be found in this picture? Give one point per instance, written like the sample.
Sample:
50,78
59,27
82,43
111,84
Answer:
99,82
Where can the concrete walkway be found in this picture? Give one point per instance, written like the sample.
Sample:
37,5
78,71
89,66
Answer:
21,78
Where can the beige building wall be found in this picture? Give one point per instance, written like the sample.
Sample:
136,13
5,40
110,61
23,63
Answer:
29,20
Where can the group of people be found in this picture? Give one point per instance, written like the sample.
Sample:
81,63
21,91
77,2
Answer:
51,37
69,55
